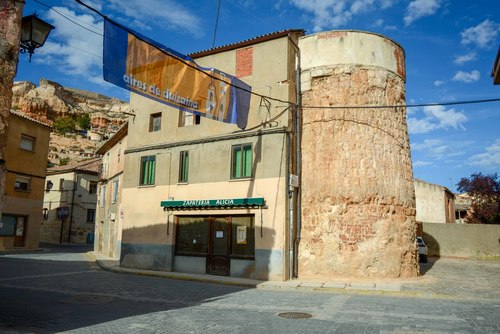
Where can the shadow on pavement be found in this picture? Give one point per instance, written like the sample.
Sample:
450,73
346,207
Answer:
58,289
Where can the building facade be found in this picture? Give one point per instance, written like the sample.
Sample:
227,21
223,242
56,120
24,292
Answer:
109,211
202,196
435,203
69,204
26,162
312,187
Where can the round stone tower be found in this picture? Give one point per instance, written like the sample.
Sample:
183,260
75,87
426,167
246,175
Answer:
358,197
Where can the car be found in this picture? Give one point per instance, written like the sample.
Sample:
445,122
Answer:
422,250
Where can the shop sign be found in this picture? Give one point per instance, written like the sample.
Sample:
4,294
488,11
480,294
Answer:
227,202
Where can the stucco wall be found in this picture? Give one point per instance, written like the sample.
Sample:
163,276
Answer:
358,198
462,240
432,203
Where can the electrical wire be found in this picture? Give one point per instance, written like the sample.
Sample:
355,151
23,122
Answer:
67,18
249,91
216,24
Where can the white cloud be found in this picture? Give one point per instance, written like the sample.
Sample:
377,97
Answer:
460,60
72,49
163,14
438,149
420,8
335,13
378,23
490,158
437,117
482,35
438,83
467,77
420,163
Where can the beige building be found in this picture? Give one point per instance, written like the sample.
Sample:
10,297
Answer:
109,212
202,196
435,203
26,162
69,204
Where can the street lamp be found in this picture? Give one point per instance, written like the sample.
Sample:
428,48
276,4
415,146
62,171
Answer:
34,33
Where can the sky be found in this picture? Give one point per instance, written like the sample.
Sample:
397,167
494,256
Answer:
450,48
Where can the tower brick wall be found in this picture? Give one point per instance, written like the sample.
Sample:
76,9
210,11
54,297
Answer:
358,199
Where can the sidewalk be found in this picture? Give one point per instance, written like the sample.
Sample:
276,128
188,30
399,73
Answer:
443,278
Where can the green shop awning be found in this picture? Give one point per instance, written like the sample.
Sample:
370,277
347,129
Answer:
214,203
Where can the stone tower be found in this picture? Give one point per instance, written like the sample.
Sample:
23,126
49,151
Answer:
358,198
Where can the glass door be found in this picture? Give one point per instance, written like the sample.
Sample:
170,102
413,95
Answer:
218,252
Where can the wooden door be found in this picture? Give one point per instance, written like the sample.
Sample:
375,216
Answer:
20,235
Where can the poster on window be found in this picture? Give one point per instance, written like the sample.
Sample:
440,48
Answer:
241,235
143,66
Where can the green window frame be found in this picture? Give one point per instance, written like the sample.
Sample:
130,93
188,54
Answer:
183,166
147,176
241,161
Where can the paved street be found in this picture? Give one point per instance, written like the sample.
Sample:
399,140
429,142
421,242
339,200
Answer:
59,290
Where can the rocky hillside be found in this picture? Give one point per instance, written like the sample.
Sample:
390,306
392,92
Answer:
50,101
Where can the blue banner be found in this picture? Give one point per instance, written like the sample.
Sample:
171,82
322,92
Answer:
145,67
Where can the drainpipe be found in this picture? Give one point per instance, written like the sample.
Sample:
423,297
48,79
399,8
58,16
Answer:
75,183
297,128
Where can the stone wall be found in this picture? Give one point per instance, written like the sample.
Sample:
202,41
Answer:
358,199
462,240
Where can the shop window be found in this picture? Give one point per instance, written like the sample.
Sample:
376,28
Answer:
241,161
192,236
183,166
243,236
155,122
188,119
147,176
8,225
22,183
27,143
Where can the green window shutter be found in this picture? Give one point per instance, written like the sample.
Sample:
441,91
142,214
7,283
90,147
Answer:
186,166
247,161
237,157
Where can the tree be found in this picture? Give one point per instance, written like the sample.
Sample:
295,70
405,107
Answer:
83,121
64,124
484,191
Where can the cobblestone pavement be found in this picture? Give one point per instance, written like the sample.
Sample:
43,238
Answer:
59,290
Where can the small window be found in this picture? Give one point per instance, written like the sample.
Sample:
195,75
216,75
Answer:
22,183
241,161
27,143
115,191
155,122
183,166
102,198
90,215
61,184
92,187
147,171
188,119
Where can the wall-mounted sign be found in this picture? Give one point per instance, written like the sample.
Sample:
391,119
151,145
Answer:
228,202
145,67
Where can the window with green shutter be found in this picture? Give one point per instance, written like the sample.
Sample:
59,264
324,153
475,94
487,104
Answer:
183,166
147,171
241,161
